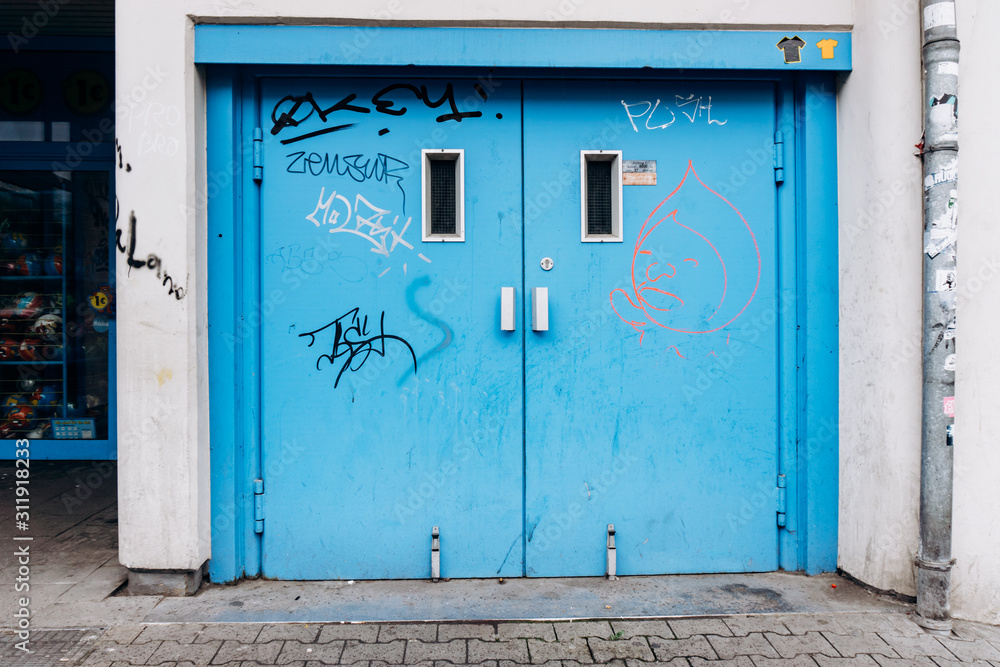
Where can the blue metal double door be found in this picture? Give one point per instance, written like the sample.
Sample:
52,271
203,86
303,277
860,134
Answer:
394,399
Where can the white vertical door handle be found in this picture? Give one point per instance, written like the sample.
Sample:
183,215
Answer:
506,309
539,308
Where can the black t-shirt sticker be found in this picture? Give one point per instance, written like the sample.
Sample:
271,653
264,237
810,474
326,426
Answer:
792,47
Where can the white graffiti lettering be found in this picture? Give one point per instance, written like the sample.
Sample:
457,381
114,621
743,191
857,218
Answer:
367,221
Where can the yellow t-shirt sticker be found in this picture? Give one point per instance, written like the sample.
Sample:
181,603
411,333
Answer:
826,48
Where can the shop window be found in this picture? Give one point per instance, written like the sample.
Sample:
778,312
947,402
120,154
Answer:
56,304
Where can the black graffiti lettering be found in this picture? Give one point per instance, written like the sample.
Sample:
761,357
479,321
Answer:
353,343
287,119
449,97
293,110
386,106
382,168
295,158
310,135
151,262
343,105
488,84
177,292
132,262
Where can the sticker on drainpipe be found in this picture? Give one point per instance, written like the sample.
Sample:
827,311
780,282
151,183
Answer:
938,240
949,362
949,68
942,13
949,406
944,281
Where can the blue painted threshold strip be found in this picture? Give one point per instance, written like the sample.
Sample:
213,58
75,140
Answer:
523,47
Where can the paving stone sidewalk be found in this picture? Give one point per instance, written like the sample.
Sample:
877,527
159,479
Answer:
823,640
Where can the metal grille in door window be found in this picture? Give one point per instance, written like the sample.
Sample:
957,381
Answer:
443,219
599,220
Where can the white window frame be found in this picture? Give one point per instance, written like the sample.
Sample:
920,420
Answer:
456,155
615,157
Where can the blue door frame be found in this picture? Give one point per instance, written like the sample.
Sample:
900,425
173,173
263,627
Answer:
807,241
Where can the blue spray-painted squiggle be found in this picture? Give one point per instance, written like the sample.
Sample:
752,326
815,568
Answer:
411,301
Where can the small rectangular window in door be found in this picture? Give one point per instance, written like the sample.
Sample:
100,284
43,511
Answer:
442,178
600,196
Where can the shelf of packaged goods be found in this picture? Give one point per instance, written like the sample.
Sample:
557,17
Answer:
30,363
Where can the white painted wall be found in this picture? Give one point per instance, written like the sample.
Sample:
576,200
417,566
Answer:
164,469
976,538
880,295
881,237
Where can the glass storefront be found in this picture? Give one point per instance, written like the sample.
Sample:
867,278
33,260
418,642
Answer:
57,294
56,304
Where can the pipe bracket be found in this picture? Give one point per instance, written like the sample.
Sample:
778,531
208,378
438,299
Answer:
934,565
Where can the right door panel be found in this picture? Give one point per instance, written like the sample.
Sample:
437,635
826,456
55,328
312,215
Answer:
652,398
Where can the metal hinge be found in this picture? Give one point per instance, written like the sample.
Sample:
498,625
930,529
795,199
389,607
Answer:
779,157
781,501
258,154
258,506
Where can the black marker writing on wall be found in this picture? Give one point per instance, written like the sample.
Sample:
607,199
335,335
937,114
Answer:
353,343
152,262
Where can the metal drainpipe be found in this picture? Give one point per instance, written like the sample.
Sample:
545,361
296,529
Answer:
940,156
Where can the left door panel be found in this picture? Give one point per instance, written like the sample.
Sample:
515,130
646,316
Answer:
391,401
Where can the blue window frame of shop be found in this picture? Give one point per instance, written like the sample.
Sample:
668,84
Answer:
78,140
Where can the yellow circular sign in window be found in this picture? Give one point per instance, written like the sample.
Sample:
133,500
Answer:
20,91
86,92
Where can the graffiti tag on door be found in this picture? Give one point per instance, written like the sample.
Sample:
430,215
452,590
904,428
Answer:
336,213
293,110
354,343
713,273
